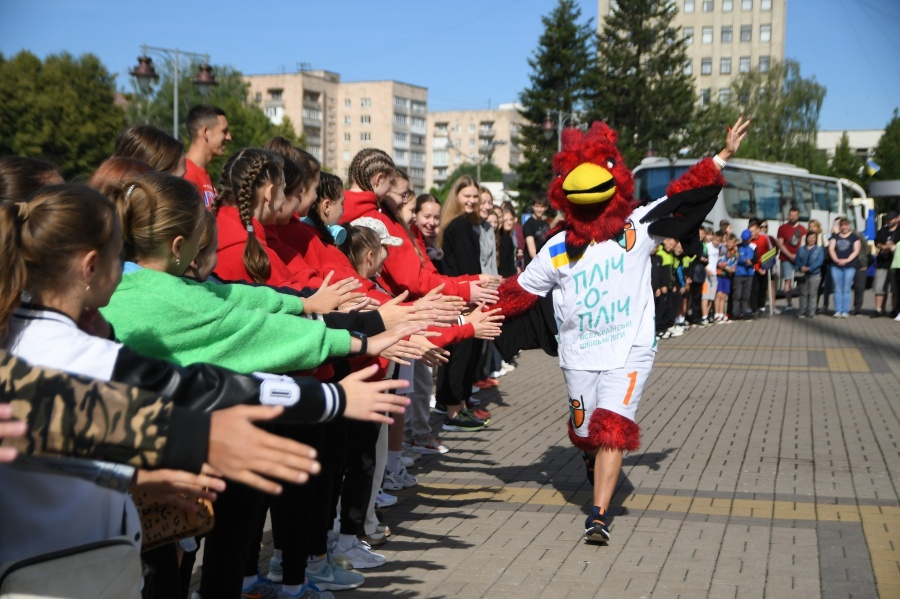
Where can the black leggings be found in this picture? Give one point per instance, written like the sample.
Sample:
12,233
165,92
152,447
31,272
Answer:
455,378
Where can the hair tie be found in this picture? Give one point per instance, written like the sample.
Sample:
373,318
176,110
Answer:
130,190
249,228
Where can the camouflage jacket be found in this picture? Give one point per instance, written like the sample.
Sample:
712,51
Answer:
76,416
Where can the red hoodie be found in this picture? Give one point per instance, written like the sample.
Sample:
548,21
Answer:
403,270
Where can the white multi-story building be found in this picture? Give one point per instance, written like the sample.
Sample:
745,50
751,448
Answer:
725,38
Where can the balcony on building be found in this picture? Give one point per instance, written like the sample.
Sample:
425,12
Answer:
486,131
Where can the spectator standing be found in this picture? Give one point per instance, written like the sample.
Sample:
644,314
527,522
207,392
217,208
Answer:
844,247
208,129
885,245
743,275
808,263
861,274
536,230
790,237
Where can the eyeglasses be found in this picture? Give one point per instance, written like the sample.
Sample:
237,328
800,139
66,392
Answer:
404,195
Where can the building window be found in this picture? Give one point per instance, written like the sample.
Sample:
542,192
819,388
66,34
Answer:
765,5
724,95
765,33
744,64
726,34
400,137
727,5
705,95
348,102
725,66
258,97
417,173
417,140
346,137
418,106
706,35
456,142
400,119
275,94
365,119
400,102
348,120
417,122
417,156
764,64
746,33
347,155
365,102
746,5
471,127
689,35
399,154
365,136
688,6
689,67
706,66
707,5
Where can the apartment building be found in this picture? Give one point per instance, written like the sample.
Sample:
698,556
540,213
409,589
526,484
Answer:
310,100
388,115
341,118
725,38
456,137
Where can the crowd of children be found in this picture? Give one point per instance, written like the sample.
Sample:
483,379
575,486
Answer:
274,286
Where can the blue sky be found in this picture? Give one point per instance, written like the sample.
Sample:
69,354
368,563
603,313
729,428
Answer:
468,53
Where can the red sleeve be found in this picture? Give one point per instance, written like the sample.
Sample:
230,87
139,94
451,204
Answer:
702,174
454,334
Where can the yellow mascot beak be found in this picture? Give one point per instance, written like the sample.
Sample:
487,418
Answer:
589,183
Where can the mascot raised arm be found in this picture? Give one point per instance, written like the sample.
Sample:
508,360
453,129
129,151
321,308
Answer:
595,268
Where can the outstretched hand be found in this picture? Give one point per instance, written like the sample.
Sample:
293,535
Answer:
734,137
372,401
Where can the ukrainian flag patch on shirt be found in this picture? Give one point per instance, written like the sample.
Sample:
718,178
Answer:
558,255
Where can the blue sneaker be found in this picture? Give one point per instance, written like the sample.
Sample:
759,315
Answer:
263,588
595,526
334,578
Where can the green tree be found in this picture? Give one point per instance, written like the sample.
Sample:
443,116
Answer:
887,152
785,109
638,84
845,164
61,109
489,172
249,125
558,68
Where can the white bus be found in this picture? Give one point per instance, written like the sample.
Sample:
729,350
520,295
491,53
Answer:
764,190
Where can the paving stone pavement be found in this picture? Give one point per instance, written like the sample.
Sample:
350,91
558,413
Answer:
768,469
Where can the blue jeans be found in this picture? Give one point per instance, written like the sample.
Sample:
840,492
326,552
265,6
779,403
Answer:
843,281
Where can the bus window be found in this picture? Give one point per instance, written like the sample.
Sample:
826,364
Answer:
770,192
738,194
650,183
825,196
803,197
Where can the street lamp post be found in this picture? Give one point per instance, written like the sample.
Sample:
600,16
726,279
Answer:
550,128
146,75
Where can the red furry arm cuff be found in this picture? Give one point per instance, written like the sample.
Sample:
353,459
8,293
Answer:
702,174
513,299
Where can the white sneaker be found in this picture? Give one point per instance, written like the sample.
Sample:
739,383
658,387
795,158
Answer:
360,555
384,499
408,461
507,366
676,331
394,481
497,374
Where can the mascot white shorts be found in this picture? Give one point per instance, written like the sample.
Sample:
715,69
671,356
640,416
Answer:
618,390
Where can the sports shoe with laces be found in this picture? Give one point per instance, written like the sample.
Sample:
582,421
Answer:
464,422
333,578
384,499
309,591
595,526
360,555
394,481
262,588
430,446
479,414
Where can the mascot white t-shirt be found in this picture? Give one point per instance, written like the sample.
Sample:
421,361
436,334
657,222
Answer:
603,300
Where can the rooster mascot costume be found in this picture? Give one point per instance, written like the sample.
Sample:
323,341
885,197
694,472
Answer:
595,268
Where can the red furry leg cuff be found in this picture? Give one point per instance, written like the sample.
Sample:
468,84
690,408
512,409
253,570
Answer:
607,430
513,299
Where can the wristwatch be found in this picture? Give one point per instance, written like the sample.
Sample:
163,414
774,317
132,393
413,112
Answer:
364,341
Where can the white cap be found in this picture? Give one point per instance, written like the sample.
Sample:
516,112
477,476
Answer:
379,228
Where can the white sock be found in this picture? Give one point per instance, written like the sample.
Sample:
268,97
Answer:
394,461
315,563
346,542
249,581
277,553
291,589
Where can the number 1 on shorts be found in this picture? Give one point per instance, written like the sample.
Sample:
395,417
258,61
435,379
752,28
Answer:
632,377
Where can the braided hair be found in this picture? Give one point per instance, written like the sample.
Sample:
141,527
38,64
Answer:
243,174
366,164
331,187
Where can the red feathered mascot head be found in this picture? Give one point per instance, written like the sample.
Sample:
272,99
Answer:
593,187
